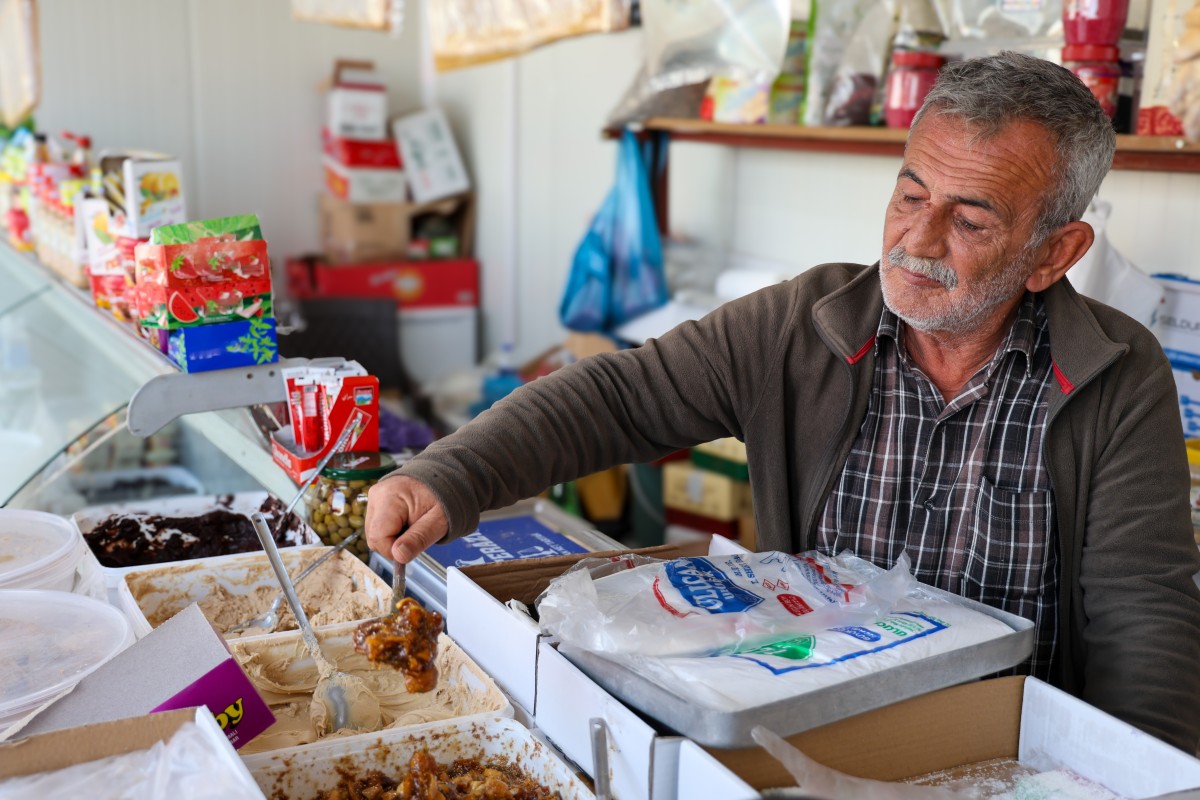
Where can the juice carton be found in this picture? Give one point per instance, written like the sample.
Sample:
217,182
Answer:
226,345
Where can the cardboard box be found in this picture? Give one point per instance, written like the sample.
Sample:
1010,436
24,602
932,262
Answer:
181,664
153,195
478,617
48,752
413,284
1014,718
352,400
228,345
379,154
702,493
726,456
642,763
359,233
431,158
356,104
365,184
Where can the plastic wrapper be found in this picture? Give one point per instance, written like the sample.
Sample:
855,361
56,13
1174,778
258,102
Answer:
188,765
20,61
859,75
748,629
467,32
1183,96
839,30
687,44
379,15
1106,275
617,272
985,27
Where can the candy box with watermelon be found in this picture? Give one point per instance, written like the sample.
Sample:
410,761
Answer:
204,272
227,345
205,304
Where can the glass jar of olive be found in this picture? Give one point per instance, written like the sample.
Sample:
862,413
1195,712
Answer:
337,502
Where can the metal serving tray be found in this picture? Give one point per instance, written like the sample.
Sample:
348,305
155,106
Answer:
727,729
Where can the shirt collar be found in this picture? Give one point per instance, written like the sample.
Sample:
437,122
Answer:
1022,336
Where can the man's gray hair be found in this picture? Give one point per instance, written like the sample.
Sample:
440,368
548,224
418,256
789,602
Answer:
993,92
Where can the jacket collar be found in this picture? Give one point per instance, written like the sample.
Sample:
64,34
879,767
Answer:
848,319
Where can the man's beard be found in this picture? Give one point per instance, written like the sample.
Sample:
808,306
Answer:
966,306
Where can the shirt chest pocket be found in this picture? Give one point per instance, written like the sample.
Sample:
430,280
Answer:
1009,546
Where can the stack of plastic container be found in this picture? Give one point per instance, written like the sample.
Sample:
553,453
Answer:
1092,29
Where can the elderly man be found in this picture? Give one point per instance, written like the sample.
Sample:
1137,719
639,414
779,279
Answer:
958,401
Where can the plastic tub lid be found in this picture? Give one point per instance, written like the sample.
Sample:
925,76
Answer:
31,541
1090,52
52,640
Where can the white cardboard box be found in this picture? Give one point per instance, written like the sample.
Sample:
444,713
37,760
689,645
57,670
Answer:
1015,717
641,763
365,184
505,641
357,105
429,154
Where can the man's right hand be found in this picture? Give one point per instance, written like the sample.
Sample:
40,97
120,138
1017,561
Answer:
403,518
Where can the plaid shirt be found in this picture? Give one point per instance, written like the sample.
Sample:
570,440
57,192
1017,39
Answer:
960,486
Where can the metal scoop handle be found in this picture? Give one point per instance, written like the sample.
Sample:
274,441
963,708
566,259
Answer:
289,590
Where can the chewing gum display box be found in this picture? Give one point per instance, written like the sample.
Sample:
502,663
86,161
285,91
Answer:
49,752
347,396
203,272
226,345
149,192
181,664
1016,718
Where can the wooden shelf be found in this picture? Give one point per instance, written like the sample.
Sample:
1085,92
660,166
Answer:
1145,153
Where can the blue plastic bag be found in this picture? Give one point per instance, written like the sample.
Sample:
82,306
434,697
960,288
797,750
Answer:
617,273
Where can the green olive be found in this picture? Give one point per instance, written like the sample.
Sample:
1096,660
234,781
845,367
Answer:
320,529
356,508
343,521
336,537
356,484
355,521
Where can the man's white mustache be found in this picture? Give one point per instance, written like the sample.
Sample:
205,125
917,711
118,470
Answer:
928,267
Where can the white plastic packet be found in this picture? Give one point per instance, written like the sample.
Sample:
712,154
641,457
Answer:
747,629
702,606
185,766
1106,275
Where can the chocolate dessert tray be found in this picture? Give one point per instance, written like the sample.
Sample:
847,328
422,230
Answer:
112,531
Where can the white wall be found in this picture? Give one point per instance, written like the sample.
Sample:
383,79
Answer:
229,87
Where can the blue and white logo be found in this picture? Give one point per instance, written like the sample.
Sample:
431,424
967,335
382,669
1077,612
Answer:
862,634
708,588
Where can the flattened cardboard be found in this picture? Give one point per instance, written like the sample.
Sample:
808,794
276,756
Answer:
180,664
58,749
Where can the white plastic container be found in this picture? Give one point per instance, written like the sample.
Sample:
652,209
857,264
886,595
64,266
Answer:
38,551
51,641
464,691
299,773
87,519
151,595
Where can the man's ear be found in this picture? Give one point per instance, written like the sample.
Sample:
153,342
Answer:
1059,253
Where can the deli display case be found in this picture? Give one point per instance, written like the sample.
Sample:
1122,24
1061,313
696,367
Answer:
67,373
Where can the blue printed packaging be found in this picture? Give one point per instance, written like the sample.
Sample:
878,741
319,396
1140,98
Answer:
226,345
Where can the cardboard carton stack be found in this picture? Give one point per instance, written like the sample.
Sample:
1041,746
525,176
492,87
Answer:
396,221
205,288
710,493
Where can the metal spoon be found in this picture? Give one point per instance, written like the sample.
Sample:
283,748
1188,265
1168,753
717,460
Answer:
270,618
334,689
